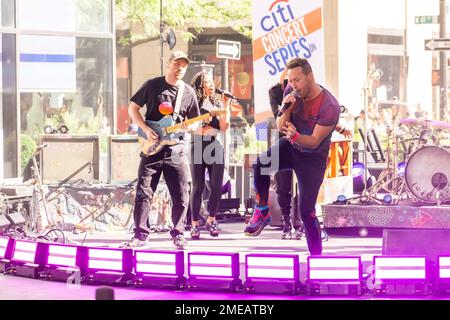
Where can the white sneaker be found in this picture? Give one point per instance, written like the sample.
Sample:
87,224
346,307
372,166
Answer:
134,243
180,242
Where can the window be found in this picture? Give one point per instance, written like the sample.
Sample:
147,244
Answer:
8,110
7,13
93,15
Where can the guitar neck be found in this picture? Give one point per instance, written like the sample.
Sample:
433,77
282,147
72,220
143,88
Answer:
187,122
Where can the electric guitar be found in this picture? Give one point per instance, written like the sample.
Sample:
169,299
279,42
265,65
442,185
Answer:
167,132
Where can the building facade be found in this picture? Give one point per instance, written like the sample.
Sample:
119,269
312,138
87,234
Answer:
57,68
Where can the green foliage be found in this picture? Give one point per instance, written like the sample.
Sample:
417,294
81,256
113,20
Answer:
144,15
250,145
28,146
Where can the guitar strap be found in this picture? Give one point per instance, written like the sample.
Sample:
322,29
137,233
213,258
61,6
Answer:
179,99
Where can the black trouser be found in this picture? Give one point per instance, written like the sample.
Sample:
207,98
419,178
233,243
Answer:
309,169
171,163
207,153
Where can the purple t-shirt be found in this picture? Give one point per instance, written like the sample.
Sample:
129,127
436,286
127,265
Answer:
323,110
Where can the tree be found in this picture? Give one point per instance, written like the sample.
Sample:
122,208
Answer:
143,18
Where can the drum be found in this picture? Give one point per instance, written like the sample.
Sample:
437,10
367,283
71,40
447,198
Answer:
427,174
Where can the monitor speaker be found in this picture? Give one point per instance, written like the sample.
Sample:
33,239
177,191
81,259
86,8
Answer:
416,242
123,158
70,158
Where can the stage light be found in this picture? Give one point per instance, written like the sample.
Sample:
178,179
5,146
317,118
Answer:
387,199
213,270
62,262
108,265
400,275
48,129
6,246
443,275
63,129
27,258
358,177
363,232
341,199
401,168
161,269
272,273
334,275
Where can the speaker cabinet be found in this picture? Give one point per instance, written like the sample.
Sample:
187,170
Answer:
70,158
427,242
123,158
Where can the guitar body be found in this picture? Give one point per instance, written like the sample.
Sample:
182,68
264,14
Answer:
167,131
149,146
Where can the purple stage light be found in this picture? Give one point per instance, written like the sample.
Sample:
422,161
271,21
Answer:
62,255
333,268
109,259
107,265
207,264
170,263
444,268
334,275
160,269
274,273
25,251
28,258
267,266
400,275
390,268
214,270
6,245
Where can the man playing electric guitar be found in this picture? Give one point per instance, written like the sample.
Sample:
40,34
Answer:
164,96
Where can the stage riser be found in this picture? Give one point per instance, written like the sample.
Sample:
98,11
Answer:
399,216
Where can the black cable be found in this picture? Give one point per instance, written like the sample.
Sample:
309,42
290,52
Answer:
59,230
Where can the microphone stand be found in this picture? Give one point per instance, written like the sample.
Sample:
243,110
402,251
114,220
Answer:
367,84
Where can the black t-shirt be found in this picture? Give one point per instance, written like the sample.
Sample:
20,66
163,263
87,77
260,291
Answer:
160,98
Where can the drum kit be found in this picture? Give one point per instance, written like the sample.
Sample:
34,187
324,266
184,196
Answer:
424,177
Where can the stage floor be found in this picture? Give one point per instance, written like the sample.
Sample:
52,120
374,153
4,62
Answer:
231,239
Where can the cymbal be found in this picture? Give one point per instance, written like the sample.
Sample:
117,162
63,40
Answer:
389,103
435,124
411,121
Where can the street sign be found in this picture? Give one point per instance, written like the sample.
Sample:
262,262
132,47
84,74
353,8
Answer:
426,19
228,49
437,44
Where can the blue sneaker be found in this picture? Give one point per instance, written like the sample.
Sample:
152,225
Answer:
260,218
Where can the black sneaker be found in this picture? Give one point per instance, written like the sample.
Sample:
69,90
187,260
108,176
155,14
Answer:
213,228
195,233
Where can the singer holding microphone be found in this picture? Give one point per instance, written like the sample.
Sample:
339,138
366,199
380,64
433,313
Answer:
307,120
207,152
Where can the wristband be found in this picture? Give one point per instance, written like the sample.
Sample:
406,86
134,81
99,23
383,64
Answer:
294,137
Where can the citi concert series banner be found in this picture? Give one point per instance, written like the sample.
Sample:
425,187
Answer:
282,30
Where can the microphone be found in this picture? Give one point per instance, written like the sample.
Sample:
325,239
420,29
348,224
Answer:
285,106
42,146
225,93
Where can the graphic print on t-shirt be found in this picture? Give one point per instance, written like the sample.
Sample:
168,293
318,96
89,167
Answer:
165,108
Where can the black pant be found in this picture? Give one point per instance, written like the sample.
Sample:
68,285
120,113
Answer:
207,153
171,163
309,169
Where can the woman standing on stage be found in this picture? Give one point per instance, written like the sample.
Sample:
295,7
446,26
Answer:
207,153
